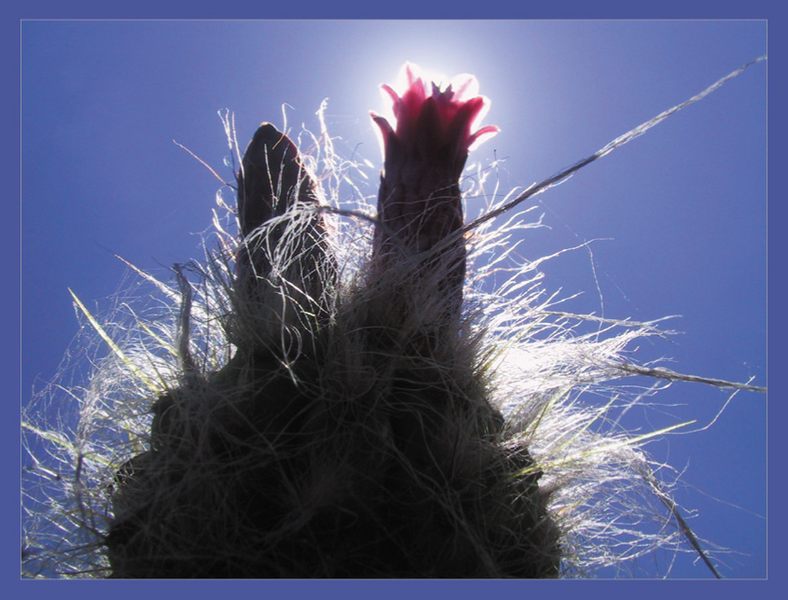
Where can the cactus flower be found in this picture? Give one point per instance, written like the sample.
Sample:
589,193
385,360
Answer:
436,127
419,200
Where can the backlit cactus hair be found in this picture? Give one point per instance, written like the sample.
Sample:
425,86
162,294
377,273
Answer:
334,393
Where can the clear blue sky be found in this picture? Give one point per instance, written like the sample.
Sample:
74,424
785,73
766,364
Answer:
685,205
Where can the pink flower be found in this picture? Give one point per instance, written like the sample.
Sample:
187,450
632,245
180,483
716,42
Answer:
419,199
436,127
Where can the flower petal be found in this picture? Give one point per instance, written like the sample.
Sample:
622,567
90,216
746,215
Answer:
481,136
391,93
465,86
384,131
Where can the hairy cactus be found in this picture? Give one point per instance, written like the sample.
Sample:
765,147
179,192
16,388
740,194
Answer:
334,394
370,450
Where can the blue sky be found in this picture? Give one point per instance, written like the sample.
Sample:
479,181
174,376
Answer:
685,205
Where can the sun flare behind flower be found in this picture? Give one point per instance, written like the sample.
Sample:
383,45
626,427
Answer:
437,118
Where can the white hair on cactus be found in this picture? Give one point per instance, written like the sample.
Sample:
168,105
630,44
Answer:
537,362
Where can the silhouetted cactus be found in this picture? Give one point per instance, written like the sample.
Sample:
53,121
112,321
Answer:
330,399
372,450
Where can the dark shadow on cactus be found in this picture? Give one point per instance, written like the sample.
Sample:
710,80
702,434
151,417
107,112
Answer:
369,450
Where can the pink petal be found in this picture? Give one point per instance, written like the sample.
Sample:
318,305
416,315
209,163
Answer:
481,136
395,99
465,86
412,72
383,130
390,91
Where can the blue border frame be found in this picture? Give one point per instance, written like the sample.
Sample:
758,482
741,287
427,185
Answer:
600,9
